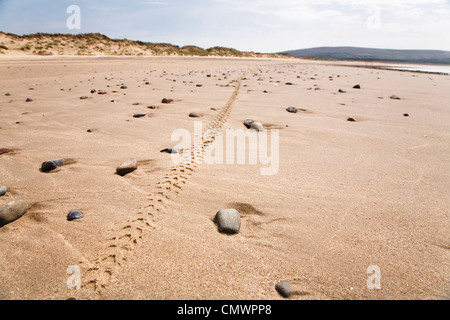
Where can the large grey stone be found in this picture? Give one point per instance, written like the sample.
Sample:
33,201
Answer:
228,221
3,191
12,211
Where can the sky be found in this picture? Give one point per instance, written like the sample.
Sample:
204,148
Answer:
247,25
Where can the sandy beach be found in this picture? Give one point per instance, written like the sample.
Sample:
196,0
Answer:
347,195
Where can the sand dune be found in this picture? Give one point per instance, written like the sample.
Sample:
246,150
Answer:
346,196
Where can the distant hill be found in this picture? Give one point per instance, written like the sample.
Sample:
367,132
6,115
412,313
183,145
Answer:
368,54
96,44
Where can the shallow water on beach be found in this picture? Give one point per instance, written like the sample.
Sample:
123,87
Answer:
422,68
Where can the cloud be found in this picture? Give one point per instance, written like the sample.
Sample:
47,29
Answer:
156,3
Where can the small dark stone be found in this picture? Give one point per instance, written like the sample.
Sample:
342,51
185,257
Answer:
127,167
5,150
394,97
283,288
93,91
101,92
169,150
406,115
90,130
248,123
83,98
140,115
7,94
289,83
74,214
48,166
351,120
357,86
199,85
194,115
292,110
165,100
123,87
28,100
342,91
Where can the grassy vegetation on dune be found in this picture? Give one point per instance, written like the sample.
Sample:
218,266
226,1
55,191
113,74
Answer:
99,44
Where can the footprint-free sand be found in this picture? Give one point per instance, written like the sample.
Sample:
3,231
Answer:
347,196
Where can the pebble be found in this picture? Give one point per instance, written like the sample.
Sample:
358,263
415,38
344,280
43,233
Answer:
228,221
3,191
342,91
5,150
169,150
194,115
74,214
101,92
257,126
93,91
248,123
140,115
50,165
83,98
357,86
28,100
12,211
127,167
292,110
123,87
406,115
283,288
394,97
351,119
165,100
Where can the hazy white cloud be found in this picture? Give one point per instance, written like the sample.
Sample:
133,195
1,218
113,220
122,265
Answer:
156,3
254,25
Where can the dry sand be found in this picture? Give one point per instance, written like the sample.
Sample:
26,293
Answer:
348,195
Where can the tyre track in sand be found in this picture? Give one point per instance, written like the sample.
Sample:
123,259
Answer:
101,273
